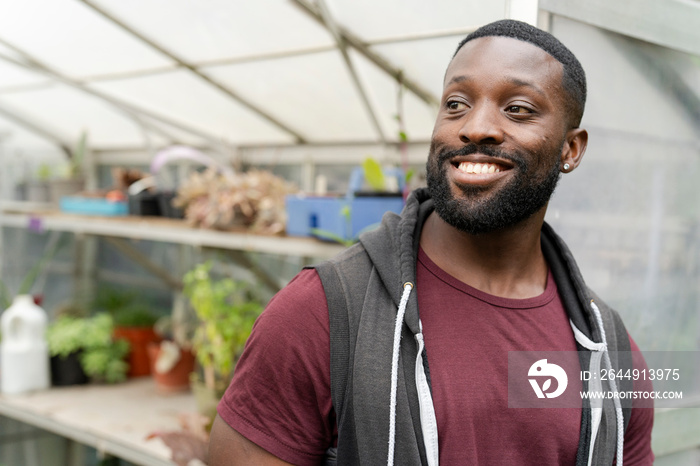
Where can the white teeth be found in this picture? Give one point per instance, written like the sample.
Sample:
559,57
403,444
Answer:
478,168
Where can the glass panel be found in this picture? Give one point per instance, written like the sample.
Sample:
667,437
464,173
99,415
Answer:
73,39
312,92
217,29
630,211
184,97
21,154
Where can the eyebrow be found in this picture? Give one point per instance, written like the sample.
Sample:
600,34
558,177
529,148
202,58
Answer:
515,81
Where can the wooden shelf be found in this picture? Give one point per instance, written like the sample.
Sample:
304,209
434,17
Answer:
113,419
166,230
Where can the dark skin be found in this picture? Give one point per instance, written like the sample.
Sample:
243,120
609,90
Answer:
514,101
498,91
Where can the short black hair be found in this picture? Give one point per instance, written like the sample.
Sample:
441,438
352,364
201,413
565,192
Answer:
573,79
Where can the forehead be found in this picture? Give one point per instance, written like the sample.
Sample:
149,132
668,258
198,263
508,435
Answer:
495,58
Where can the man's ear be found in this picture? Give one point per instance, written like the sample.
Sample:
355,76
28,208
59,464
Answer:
574,148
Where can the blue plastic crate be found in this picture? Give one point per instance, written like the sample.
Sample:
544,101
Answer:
93,206
331,216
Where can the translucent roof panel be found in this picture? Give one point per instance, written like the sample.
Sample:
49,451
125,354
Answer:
423,61
314,93
12,76
183,97
16,138
208,30
418,117
72,38
395,18
66,112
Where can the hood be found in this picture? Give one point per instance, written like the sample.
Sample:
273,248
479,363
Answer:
393,249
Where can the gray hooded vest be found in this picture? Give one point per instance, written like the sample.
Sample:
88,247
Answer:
375,331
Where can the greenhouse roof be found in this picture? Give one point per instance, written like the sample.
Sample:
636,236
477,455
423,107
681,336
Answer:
143,73
139,74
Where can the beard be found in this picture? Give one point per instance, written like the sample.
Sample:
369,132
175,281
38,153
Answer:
518,200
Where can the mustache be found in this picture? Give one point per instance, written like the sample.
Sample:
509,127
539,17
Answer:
488,150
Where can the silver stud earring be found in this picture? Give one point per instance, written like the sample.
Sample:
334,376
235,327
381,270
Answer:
566,166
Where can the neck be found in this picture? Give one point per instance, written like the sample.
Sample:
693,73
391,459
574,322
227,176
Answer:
508,263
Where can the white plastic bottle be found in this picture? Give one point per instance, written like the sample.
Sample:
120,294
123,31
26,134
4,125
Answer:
24,354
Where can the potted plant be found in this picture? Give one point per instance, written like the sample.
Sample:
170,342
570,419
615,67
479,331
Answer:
226,309
372,192
252,200
172,359
90,341
133,322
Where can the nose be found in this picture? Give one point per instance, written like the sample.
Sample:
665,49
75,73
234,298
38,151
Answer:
480,125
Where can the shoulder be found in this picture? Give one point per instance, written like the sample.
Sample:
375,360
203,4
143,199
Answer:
279,397
295,320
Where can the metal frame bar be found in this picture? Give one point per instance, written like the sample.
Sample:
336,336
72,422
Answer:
132,111
196,71
332,26
144,261
36,129
355,42
251,58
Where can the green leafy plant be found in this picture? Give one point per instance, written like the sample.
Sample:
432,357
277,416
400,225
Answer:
374,175
75,165
134,316
125,307
226,309
43,173
101,357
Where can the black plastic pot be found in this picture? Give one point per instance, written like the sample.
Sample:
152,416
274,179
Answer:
144,203
165,202
67,371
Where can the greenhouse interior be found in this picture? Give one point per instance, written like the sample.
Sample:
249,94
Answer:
153,152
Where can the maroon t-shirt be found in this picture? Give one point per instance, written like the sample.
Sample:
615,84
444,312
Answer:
280,395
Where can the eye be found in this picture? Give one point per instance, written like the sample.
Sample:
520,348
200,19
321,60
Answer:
518,109
455,105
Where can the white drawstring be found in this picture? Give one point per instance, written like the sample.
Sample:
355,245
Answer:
613,385
407,287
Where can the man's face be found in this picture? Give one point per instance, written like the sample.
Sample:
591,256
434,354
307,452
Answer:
496,147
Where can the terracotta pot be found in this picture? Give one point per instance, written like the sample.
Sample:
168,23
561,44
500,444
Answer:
176,379
138,338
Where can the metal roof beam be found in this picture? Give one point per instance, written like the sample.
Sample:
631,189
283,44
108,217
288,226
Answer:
253,58
39,131
333,28
131,111
355,42
192,68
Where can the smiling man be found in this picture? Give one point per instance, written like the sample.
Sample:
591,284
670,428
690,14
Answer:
396,351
